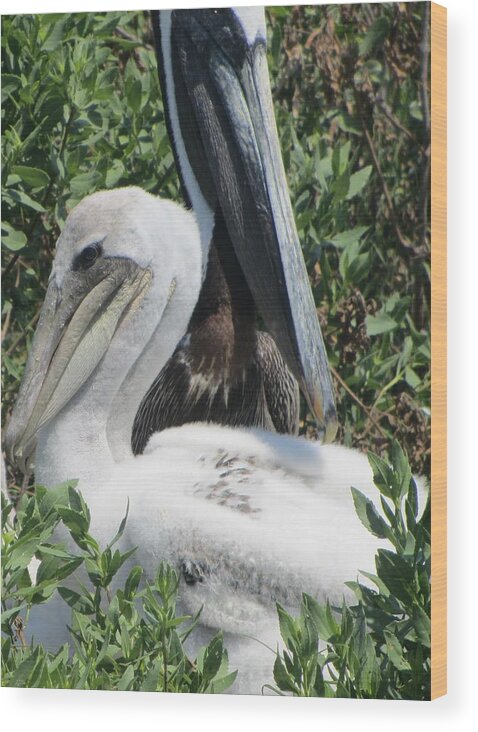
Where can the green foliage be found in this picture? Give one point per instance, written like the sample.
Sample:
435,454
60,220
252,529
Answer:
379,648
132,638
129,639
352,114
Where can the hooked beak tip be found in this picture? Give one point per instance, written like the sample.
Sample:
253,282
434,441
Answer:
327,419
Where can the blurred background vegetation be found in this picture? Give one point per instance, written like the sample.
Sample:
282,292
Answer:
81,111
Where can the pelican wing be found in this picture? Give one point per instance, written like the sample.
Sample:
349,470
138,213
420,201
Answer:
250,518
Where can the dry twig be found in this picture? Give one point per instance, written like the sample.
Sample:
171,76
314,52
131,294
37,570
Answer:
363,406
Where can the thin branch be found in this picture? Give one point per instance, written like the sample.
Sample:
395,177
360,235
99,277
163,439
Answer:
383,106
21,335
356,399
403,241
6,324
25,484
19,630
129,37
10,265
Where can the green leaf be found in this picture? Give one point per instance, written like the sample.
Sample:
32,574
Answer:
84,183
54,569
125,637
416,110
349,123
56,35
340,186
282,677
358,181
115,172
358,268
78,602
151,681
23,552
134,94
411,503
10,84
402,469
24,671
382,474
422,625
50,500
220,684
12,239
24,200
33,176
213,656
287,627
121,528
375,35
368,515
395,651
77,503
13,611
412,378
377,324
369,676
126,681
75,521
382,588
340,158
323,169
133,580
346,239
56,551
324,621
396,573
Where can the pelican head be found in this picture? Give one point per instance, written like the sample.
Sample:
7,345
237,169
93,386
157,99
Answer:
214,73
120,252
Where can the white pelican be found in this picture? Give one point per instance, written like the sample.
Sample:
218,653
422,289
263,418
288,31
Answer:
218,107
254,517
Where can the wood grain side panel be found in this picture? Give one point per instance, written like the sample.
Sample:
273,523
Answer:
439,348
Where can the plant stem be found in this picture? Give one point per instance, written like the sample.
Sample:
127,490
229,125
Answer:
21,335
366,409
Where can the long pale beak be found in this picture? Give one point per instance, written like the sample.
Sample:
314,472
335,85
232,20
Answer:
76,325
232,118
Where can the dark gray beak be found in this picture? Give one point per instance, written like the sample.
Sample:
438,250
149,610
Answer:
232,145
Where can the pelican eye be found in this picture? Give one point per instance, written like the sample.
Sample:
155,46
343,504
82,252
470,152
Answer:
87,257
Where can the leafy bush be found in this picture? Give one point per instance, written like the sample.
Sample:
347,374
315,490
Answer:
132,639
128,640
351,85
379,648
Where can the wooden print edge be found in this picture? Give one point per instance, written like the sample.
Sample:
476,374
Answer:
439,351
